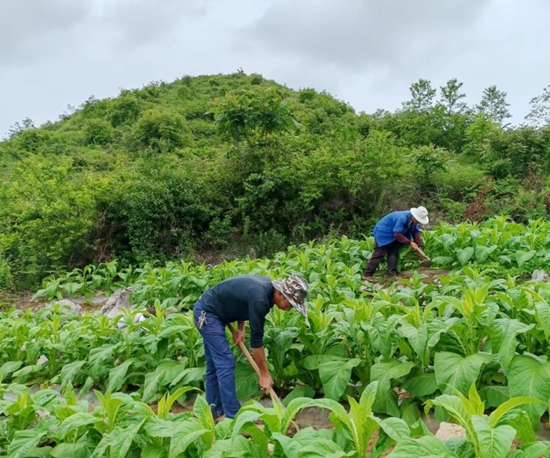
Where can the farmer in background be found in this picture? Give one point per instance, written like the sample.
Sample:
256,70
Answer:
391,233
242,298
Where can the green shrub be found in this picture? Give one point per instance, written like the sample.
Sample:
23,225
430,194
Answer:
98,132
160,130
6,277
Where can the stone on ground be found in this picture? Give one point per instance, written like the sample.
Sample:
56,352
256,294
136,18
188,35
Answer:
448,431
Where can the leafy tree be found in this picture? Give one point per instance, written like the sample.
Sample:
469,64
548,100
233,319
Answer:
540,109
452,100
422,96
493,104
159,130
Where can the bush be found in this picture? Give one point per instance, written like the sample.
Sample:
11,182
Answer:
6,277
97,132
159,130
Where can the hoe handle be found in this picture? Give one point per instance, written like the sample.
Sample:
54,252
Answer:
421,253
243,348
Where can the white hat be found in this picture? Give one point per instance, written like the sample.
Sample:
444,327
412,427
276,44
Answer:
420,214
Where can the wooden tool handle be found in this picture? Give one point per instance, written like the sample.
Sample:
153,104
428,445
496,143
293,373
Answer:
243,348
421,253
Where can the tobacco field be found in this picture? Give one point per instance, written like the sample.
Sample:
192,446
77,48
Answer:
468,346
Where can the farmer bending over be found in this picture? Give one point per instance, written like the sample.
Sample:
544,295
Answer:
391,233
242,298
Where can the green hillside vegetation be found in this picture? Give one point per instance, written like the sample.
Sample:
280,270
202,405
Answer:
225,163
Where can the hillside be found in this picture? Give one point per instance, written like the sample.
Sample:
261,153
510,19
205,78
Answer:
225,163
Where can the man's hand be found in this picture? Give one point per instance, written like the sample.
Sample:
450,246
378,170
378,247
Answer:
238,337
266,383
414,246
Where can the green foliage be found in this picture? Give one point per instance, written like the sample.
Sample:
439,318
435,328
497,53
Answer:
160,131
238,162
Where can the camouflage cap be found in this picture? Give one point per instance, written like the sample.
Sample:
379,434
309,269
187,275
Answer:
295,289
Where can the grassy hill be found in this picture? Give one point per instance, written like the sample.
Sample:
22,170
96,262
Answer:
221,164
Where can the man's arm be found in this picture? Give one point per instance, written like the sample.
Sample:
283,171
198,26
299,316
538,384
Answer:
266,382
238,336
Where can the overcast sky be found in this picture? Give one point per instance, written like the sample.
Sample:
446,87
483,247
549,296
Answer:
55,53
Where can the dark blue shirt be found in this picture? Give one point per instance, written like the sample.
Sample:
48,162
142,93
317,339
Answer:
399,222
242,298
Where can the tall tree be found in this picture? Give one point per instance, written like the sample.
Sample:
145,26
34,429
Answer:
493,104
422,96
451,97
540,109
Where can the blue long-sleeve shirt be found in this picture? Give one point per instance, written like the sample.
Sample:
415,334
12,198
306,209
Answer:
242,298
396,226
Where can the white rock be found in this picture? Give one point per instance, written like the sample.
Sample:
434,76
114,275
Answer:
540,275
448,431
74,308
117,302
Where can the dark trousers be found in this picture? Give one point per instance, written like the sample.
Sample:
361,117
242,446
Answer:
221,393
378,255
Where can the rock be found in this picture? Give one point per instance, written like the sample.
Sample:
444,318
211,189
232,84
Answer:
315,417
448,431
118,301
540,275
74,308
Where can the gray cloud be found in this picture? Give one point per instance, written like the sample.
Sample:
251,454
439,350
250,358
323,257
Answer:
34,29
365,52
357,34
146,22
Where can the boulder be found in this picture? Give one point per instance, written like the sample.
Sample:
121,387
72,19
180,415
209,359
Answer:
540,275
72,306
448,431
117,302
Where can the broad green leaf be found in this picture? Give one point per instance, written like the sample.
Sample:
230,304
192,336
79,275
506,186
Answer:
537,450
481,253
323,448
9,368
386,399
117,376
423,447
512,403
203,412
157,427
23,442
395,428
493,395
336,375
154,451
188,432
76,421
293,408
457,409
299,392
523,256
452,370
118,442
503,339
422,385
464,255
460,447
82,449
493,442
443,260
530,378
543,318
21,374
519,420
69,371
246,380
